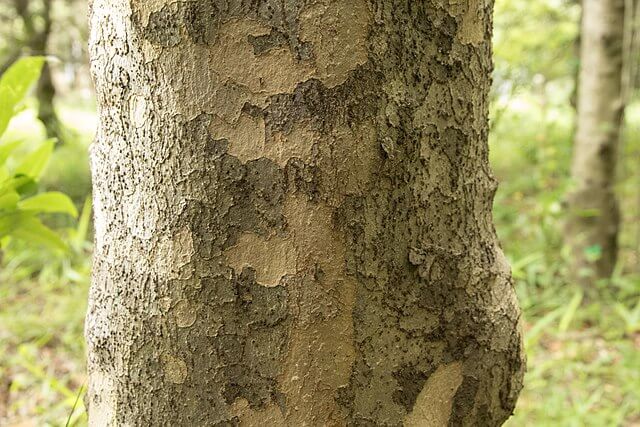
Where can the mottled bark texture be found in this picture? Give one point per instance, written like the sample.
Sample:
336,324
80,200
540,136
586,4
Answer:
293,216
592,227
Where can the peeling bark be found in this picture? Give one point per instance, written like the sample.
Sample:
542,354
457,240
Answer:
593,208
293,216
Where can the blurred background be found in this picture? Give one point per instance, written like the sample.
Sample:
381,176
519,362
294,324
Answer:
583,348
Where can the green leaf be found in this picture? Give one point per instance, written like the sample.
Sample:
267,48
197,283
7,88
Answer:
16,183
52,202
9,200
32,230
6,149
10,222
26,186
34,163
15,84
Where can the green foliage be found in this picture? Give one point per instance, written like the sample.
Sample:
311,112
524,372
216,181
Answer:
535,38
630,316
20,207
582,353
14,84
41,344
74,178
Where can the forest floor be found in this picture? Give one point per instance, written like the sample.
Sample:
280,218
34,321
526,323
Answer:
583,353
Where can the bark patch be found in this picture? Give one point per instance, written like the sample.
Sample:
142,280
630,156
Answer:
175,370
272,258
185,314
433,405
251,343
337,32
472,29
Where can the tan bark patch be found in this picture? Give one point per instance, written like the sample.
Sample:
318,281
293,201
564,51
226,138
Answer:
247,140
297,143
272,258
164,304
434,403
472,27
321,348
229,63
138,110
185,314
338,33
147,7
233,58
269,416
101,410
245,135
321,352
174,253
141,214
175,370
183,247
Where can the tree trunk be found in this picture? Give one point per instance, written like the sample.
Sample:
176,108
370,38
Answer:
575,69
293,216
592,228
38,39
45,89
46,92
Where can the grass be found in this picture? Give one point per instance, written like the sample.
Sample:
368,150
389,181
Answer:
41,352
583,355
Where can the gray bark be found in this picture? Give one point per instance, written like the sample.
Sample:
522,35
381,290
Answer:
293,216
594,217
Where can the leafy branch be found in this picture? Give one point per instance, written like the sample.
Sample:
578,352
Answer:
20,203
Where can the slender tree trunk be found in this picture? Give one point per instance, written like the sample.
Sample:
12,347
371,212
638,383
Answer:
592,229
46,90
37,37
293,216
577,42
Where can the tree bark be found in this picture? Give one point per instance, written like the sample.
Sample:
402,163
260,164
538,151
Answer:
293,216
592,228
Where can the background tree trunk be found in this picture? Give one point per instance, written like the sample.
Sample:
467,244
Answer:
37,38
577,43
293,216
592,227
